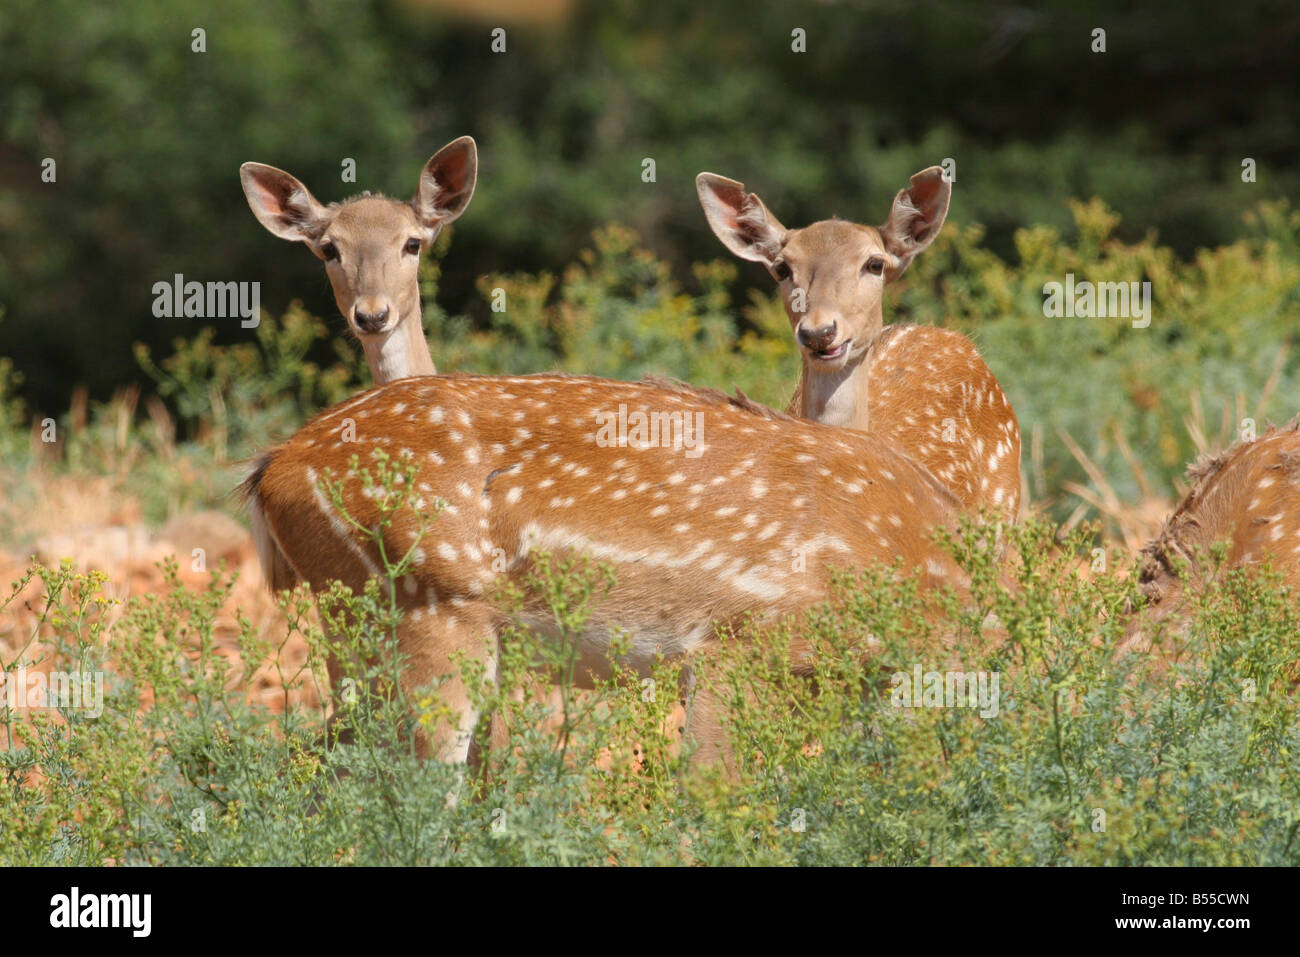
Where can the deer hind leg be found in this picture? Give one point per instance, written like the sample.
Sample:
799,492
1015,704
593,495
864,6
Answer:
705,734
432,645
707,702
498,737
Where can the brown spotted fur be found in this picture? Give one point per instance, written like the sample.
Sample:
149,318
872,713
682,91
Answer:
754,524
1248,498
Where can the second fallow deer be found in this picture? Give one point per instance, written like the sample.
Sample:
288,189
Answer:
924,389
371,246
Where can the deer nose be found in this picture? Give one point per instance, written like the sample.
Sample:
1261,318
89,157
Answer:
370,321
817,339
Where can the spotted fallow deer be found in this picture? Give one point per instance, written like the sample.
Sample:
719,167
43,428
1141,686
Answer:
371,246
1247,498
709,508
924,389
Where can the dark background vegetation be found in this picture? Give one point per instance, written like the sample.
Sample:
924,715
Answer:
149,136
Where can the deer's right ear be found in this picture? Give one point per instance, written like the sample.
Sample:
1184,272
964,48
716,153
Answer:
740,219
281,203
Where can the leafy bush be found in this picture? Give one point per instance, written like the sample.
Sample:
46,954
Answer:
1217,350
1085,756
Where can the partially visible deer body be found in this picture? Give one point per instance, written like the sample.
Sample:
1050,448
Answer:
924,389
1247,497
732,509
371,246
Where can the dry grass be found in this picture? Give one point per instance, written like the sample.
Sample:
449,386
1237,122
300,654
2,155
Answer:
99,528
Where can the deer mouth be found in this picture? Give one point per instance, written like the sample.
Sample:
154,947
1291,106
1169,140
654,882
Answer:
831,353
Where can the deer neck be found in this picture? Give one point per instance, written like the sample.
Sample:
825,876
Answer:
838,397
403,352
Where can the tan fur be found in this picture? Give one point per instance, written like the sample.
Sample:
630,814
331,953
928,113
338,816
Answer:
925,389
930,393
277,571
752,525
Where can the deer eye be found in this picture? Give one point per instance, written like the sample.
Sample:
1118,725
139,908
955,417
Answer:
412,247
875,265
781,271
329,251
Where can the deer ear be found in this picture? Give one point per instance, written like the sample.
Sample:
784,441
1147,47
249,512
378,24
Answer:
740,219
916,217
447,183
281,203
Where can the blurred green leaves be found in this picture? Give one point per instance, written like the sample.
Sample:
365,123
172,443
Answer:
148,136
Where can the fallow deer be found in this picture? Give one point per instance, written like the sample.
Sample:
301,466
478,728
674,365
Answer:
710,509
371,246
924,389
1247,497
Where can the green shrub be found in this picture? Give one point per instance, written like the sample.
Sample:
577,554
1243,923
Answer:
1083,757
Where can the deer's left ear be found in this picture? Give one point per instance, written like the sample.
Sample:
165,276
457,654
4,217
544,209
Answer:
916,217
447,183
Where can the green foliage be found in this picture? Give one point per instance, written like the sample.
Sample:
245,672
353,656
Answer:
619,313
1217,350
12,412
143,130
231,402
249,390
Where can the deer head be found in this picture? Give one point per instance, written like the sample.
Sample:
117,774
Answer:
371,247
